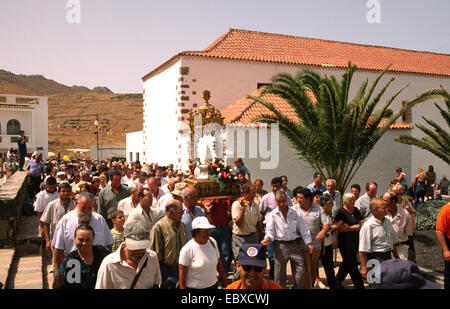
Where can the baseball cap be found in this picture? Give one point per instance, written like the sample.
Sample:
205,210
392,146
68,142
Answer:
179,188
201,223
252,254
403,274
137,235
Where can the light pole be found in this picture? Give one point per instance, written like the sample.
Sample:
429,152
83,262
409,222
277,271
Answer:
96,132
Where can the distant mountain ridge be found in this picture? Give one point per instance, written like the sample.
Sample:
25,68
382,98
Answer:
41,85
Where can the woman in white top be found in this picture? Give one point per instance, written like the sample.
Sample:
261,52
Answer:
200,259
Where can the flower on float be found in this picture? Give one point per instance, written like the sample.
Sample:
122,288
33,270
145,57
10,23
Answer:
218,169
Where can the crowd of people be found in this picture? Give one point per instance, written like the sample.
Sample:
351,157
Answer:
127,225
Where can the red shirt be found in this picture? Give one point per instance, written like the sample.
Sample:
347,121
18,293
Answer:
265,284
443,220
220,212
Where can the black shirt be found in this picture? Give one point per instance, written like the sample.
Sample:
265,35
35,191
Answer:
351,219
88,272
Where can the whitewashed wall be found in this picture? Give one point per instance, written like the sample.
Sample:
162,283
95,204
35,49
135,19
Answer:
161,112
379,166
33,121
230,80
134,146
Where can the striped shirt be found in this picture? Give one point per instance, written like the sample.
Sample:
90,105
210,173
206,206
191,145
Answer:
118,239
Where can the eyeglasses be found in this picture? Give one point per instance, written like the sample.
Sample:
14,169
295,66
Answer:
249,268
180,211
386,201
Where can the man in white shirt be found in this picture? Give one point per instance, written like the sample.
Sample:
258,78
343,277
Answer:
401,222
377,238
363,201
176,194
119,269
266,205
44,198
133,179
144,212
63,238
131,202
286,229
337,201
55,211
156,191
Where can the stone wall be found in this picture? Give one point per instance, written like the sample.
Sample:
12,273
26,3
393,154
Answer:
12,196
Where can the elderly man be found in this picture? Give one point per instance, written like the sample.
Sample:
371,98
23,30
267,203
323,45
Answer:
362,203
337,201
443,236
191,210
318,224
251,264
132,260
167,238
156,191
55,211
170,185
144,212
286,229
401,222
266,205
317,184
131,202
247,225
377,237
175,194
110,196
44,198
63,239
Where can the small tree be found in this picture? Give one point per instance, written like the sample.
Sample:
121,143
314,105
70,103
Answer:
334,133
436,139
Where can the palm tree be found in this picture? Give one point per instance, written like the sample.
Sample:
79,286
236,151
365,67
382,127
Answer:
334,133
437,141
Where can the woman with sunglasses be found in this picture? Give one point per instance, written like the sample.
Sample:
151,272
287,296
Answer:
200,259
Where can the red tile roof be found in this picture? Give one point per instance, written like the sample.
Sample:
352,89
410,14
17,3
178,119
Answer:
278,48
244,111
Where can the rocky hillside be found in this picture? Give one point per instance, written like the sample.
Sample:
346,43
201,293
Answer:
41,85
73,110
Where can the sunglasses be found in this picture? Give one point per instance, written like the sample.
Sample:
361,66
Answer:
249,268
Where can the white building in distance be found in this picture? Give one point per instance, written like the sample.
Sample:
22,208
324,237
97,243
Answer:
28,113
240,61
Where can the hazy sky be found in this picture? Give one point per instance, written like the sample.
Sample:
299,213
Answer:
119,41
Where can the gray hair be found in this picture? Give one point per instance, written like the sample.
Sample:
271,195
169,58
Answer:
84,194
280,193
347,196
325,199
135,187
331,180
186,191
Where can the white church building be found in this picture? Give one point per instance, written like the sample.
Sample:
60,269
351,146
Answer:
27,113
239,62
